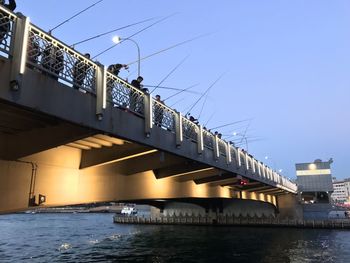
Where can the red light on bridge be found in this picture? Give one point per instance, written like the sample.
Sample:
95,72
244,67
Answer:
243,182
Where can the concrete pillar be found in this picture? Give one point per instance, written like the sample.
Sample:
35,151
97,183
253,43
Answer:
228,153
239,163
148,104
101,89
178,129
200,142
216,147
19,50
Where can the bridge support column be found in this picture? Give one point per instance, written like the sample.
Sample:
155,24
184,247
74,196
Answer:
19,52
178,131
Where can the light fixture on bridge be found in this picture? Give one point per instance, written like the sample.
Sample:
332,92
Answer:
118,39
42,199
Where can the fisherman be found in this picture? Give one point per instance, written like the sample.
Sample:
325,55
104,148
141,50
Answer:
115,68
158,111
79,72
135,104
4,19
194,120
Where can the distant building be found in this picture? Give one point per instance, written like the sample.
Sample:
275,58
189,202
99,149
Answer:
341,192
314,181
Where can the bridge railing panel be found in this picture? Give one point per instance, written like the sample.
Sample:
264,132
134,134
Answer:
121,94
189,129
58,61
7,26
163,116
242,159
208,139
222,147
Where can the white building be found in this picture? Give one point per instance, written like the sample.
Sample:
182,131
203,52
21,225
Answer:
341,192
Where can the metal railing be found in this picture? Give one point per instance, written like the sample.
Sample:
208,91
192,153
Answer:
190,130
58,61
7,25
163,116
208,140
121,94
222,147
55,59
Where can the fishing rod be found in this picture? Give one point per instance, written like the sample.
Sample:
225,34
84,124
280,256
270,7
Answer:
205,100
183,90
171,47
74,16
232,123
172,105
171,72
111,31
246,129
205,93
211,116
169,88
138,32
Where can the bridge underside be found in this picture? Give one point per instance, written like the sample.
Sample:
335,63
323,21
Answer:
69,162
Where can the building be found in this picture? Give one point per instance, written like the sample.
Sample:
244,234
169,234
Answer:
314,181
341,192
315,187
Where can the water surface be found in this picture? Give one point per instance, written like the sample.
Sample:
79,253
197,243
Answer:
94,238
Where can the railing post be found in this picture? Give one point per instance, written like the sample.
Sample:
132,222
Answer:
253,166
19,54
239,163
200,142
101,89
246,161
178,130
216,147
148,113
228,153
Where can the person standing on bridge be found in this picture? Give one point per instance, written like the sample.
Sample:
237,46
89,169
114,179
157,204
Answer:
4,20
79,72
134,96
111,83
115,68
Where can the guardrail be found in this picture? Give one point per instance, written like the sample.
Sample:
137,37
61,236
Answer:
58,61
122,94
48,55
7,25
164,116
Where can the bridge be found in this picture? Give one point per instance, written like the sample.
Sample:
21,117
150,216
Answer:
71,133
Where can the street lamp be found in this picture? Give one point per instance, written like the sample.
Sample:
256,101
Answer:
118,39
243,137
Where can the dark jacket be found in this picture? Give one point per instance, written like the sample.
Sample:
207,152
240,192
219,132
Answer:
11,5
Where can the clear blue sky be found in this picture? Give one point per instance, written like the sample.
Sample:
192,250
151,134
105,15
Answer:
287,64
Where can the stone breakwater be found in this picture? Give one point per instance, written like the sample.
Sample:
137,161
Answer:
234,221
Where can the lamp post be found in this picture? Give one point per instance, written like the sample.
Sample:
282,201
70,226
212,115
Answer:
117,40
243,137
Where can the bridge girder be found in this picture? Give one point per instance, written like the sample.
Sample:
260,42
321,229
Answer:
187,168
